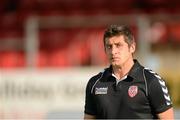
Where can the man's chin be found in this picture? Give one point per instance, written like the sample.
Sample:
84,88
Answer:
115,64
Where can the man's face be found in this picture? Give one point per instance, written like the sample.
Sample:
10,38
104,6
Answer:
118,51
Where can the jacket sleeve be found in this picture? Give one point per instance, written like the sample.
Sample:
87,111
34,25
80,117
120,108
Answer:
158,95
90,105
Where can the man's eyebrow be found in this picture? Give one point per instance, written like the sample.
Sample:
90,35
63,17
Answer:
117,43
113,43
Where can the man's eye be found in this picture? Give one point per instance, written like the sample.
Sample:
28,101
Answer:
109,47
118,45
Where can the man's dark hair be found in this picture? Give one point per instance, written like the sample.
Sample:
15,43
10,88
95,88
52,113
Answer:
116,30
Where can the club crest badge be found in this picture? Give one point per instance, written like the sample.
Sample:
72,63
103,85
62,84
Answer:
133,90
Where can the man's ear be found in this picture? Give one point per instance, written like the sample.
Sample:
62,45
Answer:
104,48
133,47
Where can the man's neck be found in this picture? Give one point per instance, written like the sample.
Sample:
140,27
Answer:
121,71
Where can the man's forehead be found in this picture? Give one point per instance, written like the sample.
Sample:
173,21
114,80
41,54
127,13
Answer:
115,39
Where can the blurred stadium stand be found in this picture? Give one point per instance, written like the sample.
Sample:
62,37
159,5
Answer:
71,44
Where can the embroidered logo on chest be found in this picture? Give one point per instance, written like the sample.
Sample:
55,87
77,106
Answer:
132,91
101,90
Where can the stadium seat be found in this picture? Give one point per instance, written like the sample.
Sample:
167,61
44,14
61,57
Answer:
174,30
12,59
58,58
42,59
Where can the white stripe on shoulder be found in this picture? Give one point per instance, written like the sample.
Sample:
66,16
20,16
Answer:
102,73
163,86
145,83
162,83
147,68
154,73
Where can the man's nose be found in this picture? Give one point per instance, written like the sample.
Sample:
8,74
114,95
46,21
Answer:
114,50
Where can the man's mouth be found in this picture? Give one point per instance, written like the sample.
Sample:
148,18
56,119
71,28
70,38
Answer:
114,58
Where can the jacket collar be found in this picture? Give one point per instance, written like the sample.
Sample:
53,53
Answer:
135,72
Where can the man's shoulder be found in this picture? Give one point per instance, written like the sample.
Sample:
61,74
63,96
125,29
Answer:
151,75
97,77
92,81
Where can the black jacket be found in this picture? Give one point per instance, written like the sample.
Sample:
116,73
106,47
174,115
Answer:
143,94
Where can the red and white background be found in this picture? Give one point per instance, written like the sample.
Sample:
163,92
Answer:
33,94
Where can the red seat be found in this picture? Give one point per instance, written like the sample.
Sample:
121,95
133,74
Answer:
12,59
58,58
42,59
174,30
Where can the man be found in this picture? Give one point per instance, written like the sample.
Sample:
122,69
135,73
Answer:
126,89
